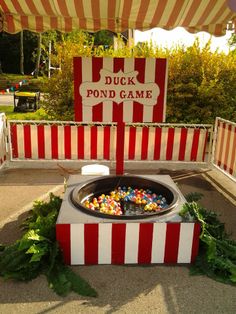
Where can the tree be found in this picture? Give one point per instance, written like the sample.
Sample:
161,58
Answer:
201,83
103,38
232,41
36,72
22,52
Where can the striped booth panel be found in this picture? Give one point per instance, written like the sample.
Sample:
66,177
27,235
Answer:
225,151
128,243
63,141
165,143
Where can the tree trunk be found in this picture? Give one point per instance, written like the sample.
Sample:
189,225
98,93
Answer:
21,53
36,72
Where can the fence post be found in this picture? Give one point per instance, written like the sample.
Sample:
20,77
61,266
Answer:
120,139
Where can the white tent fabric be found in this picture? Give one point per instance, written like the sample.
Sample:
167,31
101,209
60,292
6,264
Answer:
116,15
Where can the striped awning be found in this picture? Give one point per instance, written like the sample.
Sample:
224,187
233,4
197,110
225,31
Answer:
116,15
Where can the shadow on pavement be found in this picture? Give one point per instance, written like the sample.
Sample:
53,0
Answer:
131,289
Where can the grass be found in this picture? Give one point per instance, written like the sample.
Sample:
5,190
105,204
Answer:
32,84
40,114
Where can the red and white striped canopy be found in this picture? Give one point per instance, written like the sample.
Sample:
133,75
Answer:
116,15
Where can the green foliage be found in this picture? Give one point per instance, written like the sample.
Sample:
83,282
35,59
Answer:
103,37
232,40
10,51
201,83
38,252
58,99
40,114
217,254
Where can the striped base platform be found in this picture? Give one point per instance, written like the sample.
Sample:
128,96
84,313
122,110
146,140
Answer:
88,240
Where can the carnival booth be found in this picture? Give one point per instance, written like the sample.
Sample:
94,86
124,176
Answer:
120,106
123,219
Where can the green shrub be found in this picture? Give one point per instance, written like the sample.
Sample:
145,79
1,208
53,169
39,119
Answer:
201,84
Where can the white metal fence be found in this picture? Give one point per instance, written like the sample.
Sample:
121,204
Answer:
3,134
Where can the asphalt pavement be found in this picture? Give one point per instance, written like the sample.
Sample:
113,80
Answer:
121,289
7,100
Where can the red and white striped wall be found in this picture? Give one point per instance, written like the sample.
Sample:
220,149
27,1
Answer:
3,152
166,142
224,150
76,141
128,243
62,141
150,70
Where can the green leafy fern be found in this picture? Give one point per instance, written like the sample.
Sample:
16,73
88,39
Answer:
38,252
217,252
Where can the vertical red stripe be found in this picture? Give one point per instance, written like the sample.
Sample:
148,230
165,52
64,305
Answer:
221,142
111,14
53,22
117,113
118,243
68,24
80,144
157,148
41,143
139,65
232,163
145,243
24,22
94,142
97,64
227,147
170,143
182,145
96,14
39,24
132,142
106,142
63,238
79,9
10,24
160,80
67,141
27,140
172,242
145,136
195,145
77,82
14,140
97,113
91,244
120,141
54,141
195,243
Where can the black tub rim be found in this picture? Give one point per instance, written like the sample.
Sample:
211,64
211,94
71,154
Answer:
80,186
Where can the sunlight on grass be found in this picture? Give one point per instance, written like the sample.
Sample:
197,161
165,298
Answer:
40,114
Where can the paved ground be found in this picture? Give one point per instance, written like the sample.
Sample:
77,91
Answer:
6,100
121,289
